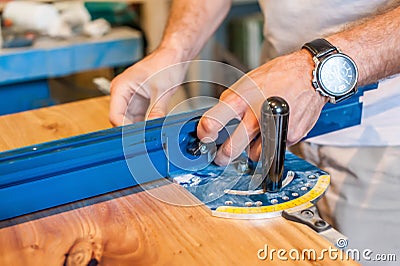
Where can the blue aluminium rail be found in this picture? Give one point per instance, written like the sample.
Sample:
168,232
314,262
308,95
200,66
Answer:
342,115
58,172
54,173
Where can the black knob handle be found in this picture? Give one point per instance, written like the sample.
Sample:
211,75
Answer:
274,110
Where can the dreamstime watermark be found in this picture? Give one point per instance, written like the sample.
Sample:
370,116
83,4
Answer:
334,253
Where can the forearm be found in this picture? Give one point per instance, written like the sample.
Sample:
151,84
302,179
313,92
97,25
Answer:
374,45
191,23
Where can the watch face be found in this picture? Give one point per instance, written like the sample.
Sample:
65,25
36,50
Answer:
337,74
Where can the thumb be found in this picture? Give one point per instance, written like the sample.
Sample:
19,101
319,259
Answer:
159,105
156,112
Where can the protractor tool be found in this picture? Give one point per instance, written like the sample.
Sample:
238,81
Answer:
281,184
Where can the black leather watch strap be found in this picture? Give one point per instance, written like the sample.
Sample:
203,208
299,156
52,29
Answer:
319,47
338,99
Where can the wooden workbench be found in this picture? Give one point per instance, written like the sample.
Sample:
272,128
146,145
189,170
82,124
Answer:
131,227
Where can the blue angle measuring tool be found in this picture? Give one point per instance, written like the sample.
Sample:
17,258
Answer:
46,175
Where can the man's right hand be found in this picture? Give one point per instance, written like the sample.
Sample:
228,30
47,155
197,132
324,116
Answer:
143,90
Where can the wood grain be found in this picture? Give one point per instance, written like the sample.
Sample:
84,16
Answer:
46,124
132,226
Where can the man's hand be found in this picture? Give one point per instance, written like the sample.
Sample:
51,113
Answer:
145,88
190,24
288,77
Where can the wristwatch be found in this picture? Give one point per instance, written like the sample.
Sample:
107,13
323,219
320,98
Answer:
335,74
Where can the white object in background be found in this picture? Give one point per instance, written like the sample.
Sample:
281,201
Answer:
55,20
37,16
74,13
102,84
96,28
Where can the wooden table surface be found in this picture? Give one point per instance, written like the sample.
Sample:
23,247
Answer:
131,227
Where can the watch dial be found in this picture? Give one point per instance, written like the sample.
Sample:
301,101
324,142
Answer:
338,74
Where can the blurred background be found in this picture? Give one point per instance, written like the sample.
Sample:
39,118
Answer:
55,52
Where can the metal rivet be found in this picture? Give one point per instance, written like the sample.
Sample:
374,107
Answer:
248,203
312,176
274,201
320,223
203,149
242,167
303,188
307,213
258,203
295,194
228,202
285,198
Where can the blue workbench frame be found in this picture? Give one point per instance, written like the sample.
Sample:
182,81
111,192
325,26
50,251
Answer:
24,71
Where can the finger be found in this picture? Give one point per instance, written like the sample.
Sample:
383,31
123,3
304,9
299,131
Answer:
120,97
158,108
255,150
160,103
137,108
129,101
216,118
246,131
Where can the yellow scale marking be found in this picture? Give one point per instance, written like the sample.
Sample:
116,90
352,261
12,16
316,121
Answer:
319,188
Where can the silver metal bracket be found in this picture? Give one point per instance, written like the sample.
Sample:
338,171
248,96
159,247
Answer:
312,219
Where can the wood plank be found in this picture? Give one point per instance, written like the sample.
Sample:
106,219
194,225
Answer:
132,227
61,121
